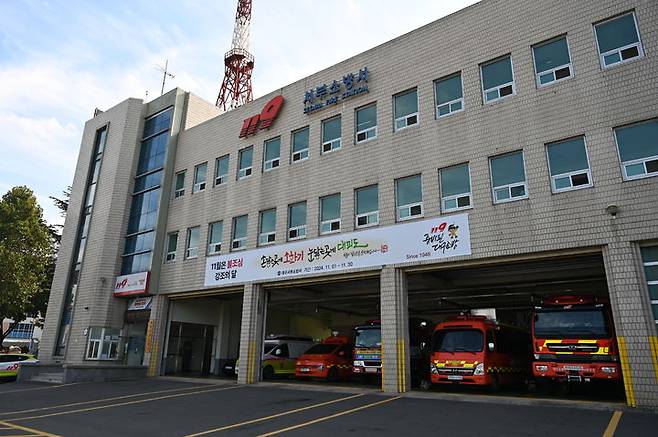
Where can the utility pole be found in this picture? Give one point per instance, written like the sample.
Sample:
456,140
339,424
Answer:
165,73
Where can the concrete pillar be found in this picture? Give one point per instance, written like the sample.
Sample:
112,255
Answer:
156,331
633,323
396,376
251,334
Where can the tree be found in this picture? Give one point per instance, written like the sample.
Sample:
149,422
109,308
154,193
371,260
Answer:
63,206
26,253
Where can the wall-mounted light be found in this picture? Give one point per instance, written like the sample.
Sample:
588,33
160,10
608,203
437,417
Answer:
613,210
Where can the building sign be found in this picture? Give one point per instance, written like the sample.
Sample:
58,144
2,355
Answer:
130,285
263,120
326,95
431,239
140,303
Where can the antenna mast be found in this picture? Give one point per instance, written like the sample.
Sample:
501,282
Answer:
165,73
238,63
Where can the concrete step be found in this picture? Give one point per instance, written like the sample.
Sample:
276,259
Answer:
52,378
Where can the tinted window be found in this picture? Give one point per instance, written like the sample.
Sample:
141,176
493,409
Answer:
497,73
551,54
458,340
368,337
571,323
321,349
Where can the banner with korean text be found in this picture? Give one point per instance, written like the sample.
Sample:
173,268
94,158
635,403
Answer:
435,238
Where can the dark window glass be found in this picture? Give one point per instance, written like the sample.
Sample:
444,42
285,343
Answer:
458,340
157,124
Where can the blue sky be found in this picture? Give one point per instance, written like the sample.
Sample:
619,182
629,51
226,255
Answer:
61,59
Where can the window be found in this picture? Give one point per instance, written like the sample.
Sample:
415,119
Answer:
497,79
508,177
330,214
245,159
179,189
552,61
297,221
449,95
455,188
200,177
638,149
192,244
172,244
568,165
650,263
221,170
215,232
300,145
406,109
618,40
103,344
239,236
409,197
272,153
267,231
366,123
367,206
331,134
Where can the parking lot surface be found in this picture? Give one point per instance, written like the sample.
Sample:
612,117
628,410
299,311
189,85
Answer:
169,407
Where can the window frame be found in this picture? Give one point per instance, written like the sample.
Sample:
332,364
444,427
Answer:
197,187
451,102
647,282
303,153
266,241
242,240
415,115
498,87
179,192
335,140
192,252
368,214
171,256
623,164
398,207
638,44
509,186
274,162
330,222
244,173
96,345
457,196
538,75
215,248
367,130
570,174
223,178
299,235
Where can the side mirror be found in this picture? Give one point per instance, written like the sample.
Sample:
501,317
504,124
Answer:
277,352
490,347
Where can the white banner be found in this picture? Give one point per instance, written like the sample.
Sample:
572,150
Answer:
436,238
129,285
140,303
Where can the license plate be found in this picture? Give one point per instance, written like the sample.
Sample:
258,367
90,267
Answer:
304,369
573,368
371,369
229,367
455,377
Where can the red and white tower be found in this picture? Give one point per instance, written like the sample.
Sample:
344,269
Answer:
238,62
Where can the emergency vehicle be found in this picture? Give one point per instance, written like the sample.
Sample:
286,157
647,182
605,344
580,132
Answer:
476,350
331,360
574,340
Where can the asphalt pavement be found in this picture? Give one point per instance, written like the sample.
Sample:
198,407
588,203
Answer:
171,407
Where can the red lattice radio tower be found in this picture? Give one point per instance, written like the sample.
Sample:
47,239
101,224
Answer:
238,63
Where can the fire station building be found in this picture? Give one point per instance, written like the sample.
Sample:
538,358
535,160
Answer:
511,155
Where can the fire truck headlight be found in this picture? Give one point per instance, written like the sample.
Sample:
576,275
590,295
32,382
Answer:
433,369
608,369
541,368
479,369
359,363
536,356
298,363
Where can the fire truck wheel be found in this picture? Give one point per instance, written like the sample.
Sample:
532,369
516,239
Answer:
332,376
425,384
268,372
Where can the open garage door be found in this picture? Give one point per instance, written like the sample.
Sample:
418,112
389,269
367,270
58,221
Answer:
469,350
203,335
317,331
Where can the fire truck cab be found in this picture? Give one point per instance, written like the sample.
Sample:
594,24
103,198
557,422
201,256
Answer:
573,340
475,350
331,360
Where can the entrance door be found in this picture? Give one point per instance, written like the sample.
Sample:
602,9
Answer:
135,350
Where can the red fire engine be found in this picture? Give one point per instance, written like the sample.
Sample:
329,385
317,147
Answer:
574,340
331,359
